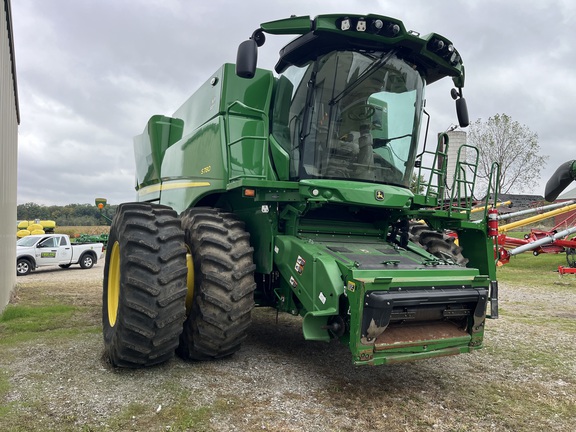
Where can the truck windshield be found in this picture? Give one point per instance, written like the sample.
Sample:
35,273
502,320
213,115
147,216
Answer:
27,241
352,115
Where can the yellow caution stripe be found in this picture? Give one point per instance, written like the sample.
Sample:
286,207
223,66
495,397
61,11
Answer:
172,185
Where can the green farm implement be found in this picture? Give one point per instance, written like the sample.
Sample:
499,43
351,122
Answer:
304,190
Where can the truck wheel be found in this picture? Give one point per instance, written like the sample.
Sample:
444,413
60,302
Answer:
23,267
87,261
438,244
221,287
144,285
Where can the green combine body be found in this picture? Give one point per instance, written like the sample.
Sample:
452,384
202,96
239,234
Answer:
294,191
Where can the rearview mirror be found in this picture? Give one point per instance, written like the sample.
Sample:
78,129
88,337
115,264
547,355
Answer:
462,112
246,59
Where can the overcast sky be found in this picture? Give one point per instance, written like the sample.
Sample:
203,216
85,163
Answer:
91,73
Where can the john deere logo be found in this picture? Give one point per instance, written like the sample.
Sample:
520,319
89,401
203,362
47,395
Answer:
379,195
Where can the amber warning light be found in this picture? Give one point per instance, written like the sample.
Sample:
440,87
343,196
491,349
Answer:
100,203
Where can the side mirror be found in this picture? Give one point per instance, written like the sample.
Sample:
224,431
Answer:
461,107
462,112
246,59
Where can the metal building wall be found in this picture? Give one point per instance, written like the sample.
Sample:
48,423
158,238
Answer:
9,119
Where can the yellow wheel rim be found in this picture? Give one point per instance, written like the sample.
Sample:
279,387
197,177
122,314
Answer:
113,297
189,282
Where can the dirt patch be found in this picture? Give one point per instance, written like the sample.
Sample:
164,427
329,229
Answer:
523,380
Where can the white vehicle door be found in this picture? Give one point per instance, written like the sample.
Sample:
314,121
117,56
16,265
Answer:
47,251
64,253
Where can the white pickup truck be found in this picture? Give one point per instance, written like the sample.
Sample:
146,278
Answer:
54,249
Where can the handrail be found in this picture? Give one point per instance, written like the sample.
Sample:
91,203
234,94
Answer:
462,192
493,185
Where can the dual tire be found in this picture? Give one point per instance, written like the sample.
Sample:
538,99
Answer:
172,283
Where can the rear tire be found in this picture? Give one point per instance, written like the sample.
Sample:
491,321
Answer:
438,244
144,286
87,261
221,297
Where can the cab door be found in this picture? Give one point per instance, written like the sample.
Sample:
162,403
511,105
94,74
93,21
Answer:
64,254
47,251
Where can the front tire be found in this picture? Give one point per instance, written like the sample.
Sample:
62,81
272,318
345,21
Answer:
23,267
144,285
221,292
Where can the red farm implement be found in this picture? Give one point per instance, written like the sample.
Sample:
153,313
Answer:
538,241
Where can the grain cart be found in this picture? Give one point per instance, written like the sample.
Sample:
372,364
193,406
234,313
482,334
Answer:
292,190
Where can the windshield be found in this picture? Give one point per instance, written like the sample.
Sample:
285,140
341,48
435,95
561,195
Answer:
351,115
27,241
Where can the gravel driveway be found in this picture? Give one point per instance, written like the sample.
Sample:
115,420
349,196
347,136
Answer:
277,381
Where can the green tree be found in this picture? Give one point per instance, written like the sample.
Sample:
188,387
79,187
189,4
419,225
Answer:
68,215
32,211
513,146
417,184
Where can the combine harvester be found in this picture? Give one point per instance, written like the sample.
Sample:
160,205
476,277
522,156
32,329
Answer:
292,190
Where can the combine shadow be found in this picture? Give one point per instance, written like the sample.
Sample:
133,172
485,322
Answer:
280,340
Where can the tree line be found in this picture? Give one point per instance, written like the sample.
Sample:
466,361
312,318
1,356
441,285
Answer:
68,215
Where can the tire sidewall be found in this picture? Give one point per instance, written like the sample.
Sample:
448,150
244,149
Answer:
87,261
109,331
28,267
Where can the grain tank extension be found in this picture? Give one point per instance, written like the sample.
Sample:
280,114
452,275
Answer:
304,190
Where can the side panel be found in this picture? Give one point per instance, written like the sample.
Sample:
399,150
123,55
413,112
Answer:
262,228
248,148
223,88
479,249
312,273
149,147
195,166
224,127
